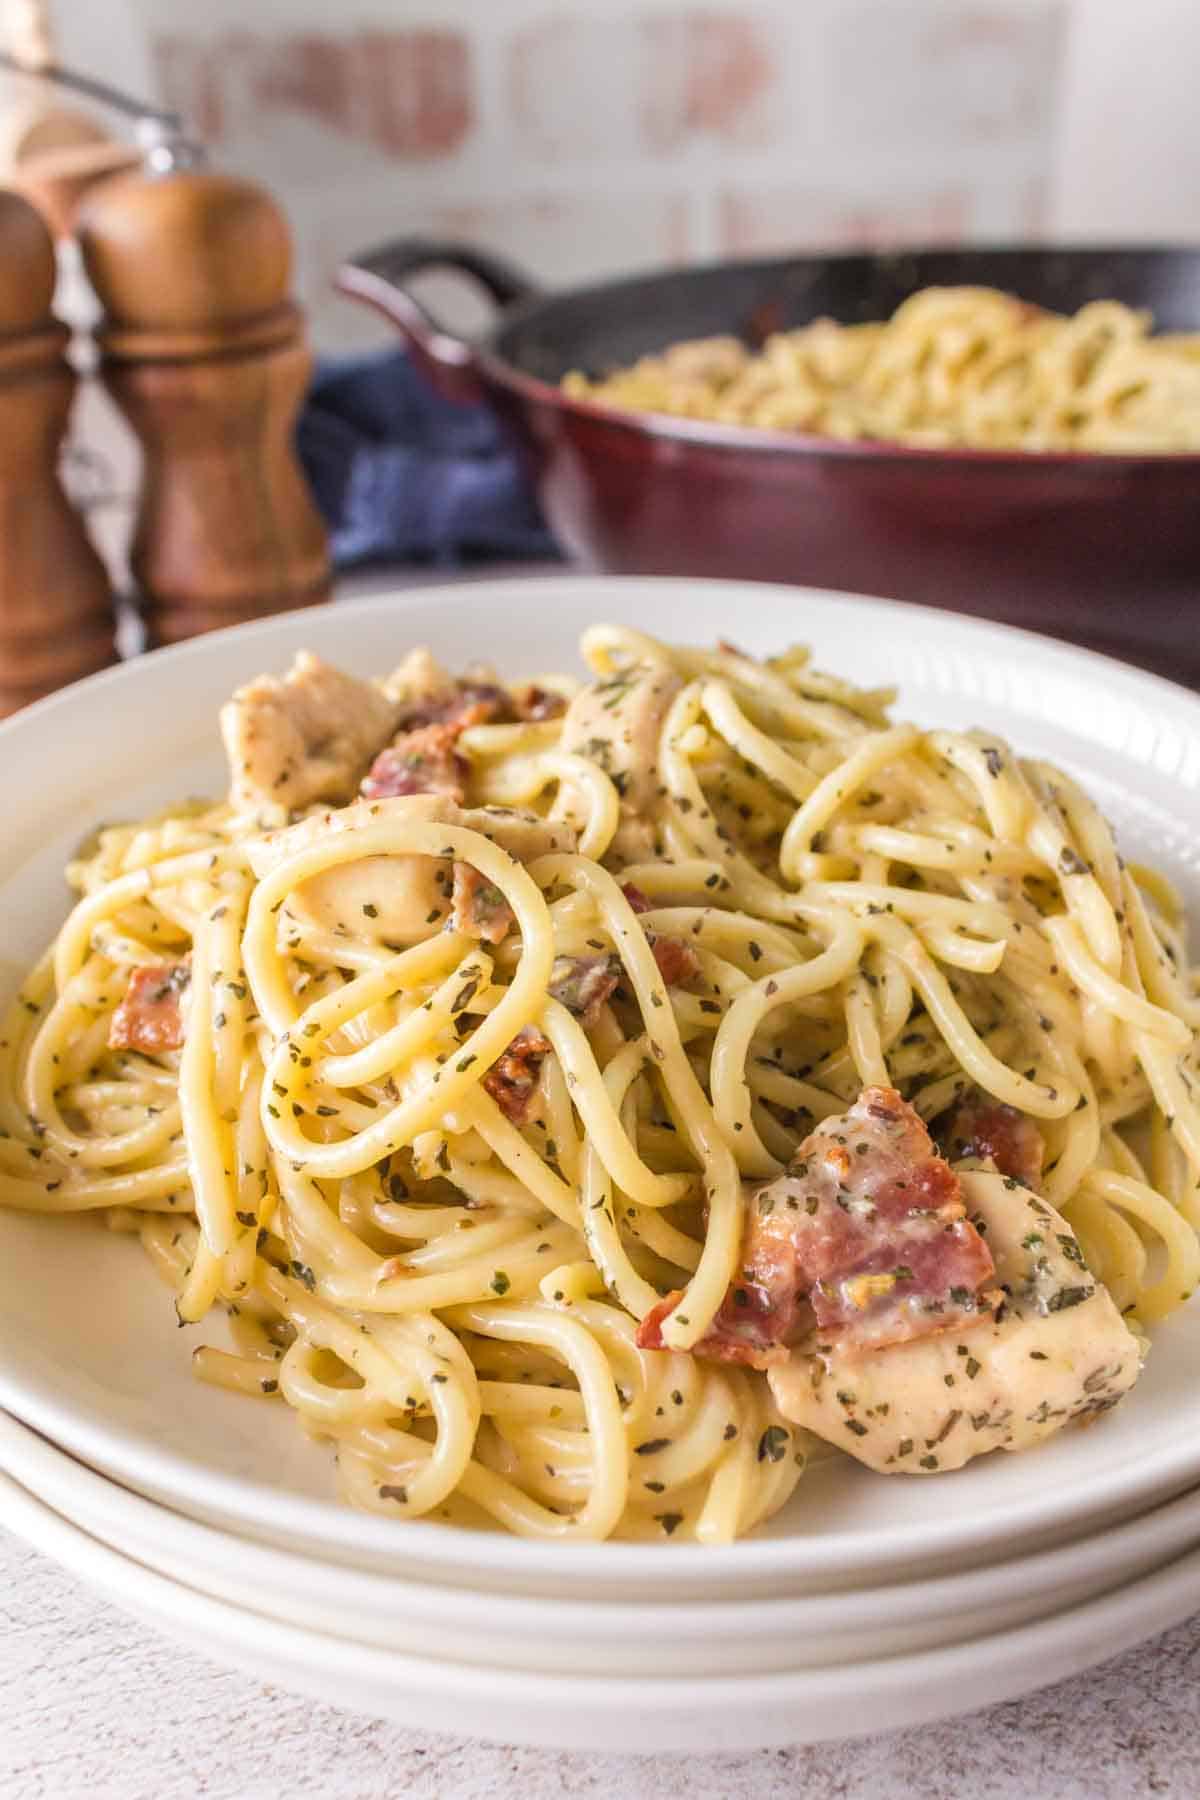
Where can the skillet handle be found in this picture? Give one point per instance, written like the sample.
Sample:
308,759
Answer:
379,278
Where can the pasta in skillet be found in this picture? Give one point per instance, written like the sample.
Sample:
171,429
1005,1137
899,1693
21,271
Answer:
953,366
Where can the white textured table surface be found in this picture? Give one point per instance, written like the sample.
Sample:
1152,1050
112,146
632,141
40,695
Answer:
93,1706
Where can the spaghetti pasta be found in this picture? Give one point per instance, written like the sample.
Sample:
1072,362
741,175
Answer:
475,1101
952,366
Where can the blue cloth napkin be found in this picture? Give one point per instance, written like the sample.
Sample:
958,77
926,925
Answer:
402,475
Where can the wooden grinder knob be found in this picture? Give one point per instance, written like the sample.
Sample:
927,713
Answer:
203,350
56,617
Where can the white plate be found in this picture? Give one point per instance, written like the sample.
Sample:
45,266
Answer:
89,1352
696,1714
601,1636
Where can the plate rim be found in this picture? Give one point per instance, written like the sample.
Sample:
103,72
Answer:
973,625
57,1477
1014,1662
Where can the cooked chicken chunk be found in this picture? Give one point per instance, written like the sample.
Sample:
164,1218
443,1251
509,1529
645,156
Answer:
396,899
914,1314
1056,1350
403,893
417,678
307,737
617,723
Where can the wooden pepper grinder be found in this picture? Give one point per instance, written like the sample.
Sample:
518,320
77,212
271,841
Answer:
56,612
204,352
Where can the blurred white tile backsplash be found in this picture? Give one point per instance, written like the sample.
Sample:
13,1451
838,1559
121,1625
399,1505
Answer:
582,137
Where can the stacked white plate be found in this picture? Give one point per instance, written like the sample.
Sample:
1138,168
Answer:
869,1603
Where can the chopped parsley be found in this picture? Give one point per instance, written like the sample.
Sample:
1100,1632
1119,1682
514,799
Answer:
772,1445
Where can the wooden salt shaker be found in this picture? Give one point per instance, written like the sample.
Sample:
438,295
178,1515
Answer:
204,353
56,613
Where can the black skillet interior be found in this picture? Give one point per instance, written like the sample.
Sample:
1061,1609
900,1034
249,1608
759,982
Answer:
604,327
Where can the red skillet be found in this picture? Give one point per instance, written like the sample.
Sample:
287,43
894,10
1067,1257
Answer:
1101,549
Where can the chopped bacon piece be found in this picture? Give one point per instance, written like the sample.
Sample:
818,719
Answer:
649,1332
512,1079
583,983
478,907
419,762
677,961
149,1017
989,1130
495,702
537,703
423,759
466,703
753,1325
866,1235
